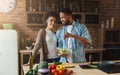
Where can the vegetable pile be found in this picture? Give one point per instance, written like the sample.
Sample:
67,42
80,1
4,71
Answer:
55,68
58,69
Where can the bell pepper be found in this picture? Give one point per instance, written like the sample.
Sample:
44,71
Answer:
59,67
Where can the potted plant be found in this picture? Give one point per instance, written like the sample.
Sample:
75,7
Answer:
28,43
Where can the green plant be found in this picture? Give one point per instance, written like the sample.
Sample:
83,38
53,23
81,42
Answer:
28,42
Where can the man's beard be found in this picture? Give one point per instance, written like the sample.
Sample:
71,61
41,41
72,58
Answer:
67,23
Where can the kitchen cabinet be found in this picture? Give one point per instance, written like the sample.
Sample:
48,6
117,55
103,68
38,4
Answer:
84,11
111,42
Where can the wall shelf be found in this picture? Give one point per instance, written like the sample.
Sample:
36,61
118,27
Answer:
84,11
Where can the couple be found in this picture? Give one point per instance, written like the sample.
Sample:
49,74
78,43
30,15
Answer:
72,35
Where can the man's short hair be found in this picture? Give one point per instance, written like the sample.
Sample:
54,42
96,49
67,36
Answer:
66,11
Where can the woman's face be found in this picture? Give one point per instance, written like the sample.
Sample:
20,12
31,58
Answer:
51,22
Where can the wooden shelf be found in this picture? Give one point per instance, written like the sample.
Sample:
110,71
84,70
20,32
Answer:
77,13
112,42
36,25
78,7
111,48
35,12
91,13
92,0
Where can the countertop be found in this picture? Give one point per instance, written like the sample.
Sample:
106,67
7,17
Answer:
79,71
86,50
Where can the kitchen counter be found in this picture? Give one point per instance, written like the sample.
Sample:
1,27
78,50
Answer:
79,71
93,50
86,50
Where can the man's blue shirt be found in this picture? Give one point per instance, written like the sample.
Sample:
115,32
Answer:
78,53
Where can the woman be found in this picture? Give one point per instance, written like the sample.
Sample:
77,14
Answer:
46,40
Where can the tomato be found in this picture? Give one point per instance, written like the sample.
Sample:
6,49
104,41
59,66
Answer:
65,70
52,66
53,71
61,72
56,73
70,71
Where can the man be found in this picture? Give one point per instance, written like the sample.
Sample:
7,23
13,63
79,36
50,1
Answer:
73,36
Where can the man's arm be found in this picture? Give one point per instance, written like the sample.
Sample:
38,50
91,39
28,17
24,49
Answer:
80,39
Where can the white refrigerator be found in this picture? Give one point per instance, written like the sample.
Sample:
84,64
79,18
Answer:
8,52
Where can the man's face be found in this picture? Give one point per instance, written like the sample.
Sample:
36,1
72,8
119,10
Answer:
64,18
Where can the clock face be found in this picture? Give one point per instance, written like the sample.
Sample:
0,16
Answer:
7,5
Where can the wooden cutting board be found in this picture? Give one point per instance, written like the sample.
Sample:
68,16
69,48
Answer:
68,65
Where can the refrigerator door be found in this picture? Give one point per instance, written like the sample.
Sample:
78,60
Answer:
8,52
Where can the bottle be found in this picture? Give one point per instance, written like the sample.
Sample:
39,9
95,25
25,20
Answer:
90,59
102,24
39,6
30,61
53,7
107,23
30,5
112,22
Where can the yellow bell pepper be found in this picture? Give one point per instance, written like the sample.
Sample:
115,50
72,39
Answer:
59,67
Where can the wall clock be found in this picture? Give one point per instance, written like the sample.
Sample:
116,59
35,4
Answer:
7,5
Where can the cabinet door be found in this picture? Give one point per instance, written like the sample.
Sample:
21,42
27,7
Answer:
112,39
111,44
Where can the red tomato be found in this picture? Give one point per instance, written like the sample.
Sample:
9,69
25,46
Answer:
65,70
70,71
56,73
52,66
53,71
61,72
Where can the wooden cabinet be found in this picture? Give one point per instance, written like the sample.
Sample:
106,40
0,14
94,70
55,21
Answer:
111,43
112,39
84,11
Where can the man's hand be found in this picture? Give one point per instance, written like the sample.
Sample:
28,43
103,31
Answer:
62,55
80,39
67,35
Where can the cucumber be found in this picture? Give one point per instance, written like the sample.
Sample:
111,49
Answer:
93,66
57,63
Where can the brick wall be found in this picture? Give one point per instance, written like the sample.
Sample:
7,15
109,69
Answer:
109,8
18,18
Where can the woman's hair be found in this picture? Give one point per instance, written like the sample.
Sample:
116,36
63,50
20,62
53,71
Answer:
51,14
